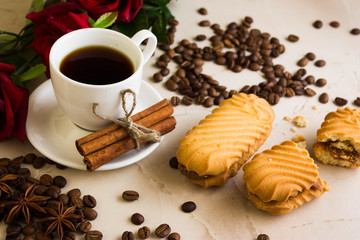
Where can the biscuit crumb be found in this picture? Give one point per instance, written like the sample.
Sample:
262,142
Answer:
293,129
315,107
299,138
300,121
287,118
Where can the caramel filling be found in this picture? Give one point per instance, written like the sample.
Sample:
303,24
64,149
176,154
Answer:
343,151
191,174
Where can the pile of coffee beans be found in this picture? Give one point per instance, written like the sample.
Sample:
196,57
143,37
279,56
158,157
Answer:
49,187
237,47
144,232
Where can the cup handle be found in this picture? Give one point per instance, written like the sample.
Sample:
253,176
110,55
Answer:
150,47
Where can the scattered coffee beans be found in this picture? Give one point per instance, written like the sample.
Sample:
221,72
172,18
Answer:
321,82
203,11
293,38
340,101
137,219
174,236
157,77
163,230
263,237
323,98
174,163
357,102
175,101
188,207
320,63
144,232
334,24
130,195
127,235
303,62
355,31
204,23
93,235
311,56
317,24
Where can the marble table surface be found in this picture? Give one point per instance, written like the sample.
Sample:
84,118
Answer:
225,212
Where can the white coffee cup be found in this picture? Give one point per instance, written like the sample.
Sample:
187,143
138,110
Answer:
75,98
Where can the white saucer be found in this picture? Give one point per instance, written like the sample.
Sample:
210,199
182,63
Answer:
54,135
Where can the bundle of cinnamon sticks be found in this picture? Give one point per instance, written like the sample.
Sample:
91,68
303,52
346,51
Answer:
111,142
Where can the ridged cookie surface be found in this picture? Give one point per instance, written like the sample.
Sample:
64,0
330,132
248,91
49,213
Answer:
344,124
338,139
280,173
225,139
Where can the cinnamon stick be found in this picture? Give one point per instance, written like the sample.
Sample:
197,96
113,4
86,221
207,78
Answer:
121,133
114,127
105,155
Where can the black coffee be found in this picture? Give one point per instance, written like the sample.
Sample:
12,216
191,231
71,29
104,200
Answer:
97,65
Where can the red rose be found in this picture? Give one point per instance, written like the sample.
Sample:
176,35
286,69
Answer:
53,22
13,105
127,9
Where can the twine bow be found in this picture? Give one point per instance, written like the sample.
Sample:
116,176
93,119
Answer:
137,132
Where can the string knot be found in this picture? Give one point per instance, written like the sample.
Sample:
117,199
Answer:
137,132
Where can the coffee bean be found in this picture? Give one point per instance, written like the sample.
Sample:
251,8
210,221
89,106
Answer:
13,230
163,230
174,236
164,72
334,24
5,162
40,190
317,24
69,236
323,98
144,232
51,192
188,206
157,77
218,99
60,166
310,79
46,180
29,158
186,100
40,235
89,201
127,235
311,56
39,162
273,99
203,11
64,198
74,193
130,195
293,38
175,101
60,181
93,235
357,102
85,226
310,92
263,237
321,82
320,63
171,85
204,23
303,62
174,163
137,219
29,237
200,37
89,213
76,201
29,230
355,31
340,101
201,98
289,92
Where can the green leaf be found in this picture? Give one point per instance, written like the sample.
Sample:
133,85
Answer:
7,43
36,5
50,2
16,80
160,3
138,23
159,27
106,20
32,73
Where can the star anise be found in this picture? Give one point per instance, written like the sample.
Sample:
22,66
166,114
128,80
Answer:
3,186
24,204
60,219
